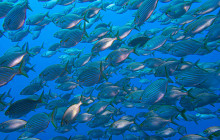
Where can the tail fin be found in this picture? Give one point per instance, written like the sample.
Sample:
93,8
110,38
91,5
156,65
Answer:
20,70
52,117
32,68
182,130
41,97
8,93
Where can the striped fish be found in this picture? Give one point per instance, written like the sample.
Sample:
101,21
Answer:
144,12
66,86
71,38
70,114
118,56
124,31
31,89
22,107
98,107
12,125
155,42
7,74
14,58
103,44
89,76
68,21
81,61
15,18
166,69
207,7
199,25
36,124
192,77
53,72
61,33
5,7
154,92
184,48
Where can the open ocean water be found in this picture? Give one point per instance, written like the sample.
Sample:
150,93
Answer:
194,125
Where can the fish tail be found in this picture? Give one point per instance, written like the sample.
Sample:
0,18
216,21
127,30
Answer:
8,93
52,117
12,100
173,122
27,48
20,70
167,76
182,113
196,1
32,68
41,97
74,127
42,46
135,50
28,6
66,67
84,29
182,130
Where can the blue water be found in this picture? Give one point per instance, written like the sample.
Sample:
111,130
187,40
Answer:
19,82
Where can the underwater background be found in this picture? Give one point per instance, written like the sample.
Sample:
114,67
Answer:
18,83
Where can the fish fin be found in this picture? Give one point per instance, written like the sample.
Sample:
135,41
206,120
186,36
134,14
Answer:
6,137
32,68
182,113
135,50
41,97
42,45
167,76
117,36
101,70
85,19
182,130
29,8
66,67
12,100
52,117
189,93
20,70
84,30
27,48
74,127
196,63
172,121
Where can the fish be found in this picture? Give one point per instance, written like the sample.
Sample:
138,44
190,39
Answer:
16,17
35,125
145,11
22,107
12,125
70,114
